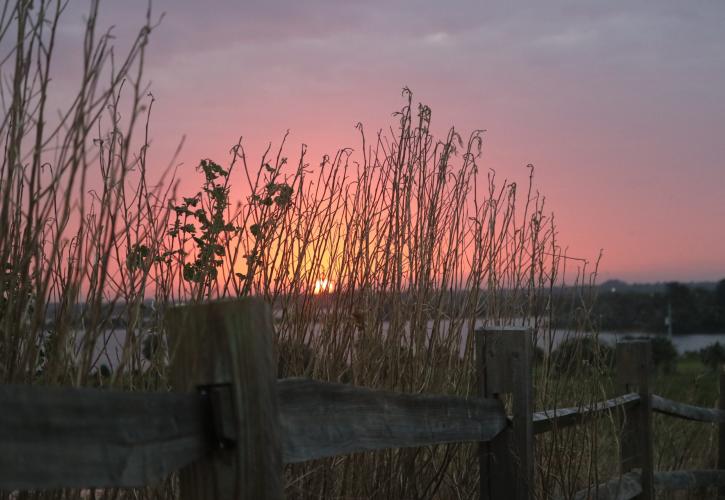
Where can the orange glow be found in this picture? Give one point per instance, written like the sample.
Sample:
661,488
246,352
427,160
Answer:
323,286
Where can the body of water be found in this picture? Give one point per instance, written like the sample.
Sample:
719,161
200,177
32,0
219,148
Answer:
109,348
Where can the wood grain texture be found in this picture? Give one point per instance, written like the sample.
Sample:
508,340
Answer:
685,411
522,408
546,420
59,437
496,475
506,464
230,342
63,437
320,419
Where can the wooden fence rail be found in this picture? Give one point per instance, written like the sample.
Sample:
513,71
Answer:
231,425
687,412
545,421
323,420
52,437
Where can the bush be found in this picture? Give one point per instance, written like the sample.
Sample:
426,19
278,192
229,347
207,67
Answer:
713,355
582,355
664,354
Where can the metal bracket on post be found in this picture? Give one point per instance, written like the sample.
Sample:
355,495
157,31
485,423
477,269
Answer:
218,416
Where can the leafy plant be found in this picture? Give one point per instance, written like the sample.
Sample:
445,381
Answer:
200,220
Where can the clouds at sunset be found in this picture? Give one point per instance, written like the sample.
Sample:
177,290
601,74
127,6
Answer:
620,105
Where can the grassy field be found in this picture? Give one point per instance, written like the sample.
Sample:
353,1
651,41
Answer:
681,444
589,453
691,380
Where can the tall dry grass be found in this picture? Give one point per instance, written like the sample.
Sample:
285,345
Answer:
74,194
421,243
420,257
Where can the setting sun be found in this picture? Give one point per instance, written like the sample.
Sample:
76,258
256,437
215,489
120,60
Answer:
323,285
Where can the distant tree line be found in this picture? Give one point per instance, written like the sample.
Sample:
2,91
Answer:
693,309
582,355
586,354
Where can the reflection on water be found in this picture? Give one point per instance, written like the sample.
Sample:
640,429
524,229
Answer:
109,347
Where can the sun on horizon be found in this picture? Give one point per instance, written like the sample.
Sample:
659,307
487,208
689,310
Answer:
323,285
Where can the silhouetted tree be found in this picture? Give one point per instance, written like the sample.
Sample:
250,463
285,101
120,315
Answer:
720,294
664,354
713,355
694,309
684,308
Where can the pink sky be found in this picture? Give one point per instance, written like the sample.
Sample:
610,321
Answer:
619,105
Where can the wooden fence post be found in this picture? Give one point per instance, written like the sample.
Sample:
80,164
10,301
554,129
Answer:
634,367
506,464
224,350
721,431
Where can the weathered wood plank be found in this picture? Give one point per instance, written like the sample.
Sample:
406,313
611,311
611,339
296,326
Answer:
546,420
522,408
60,437
685,411
230,342
496,476
506,464
53,437
321,419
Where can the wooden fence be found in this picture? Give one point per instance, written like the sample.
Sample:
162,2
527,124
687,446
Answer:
231,425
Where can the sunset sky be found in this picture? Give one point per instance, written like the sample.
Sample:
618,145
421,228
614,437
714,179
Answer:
619,105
